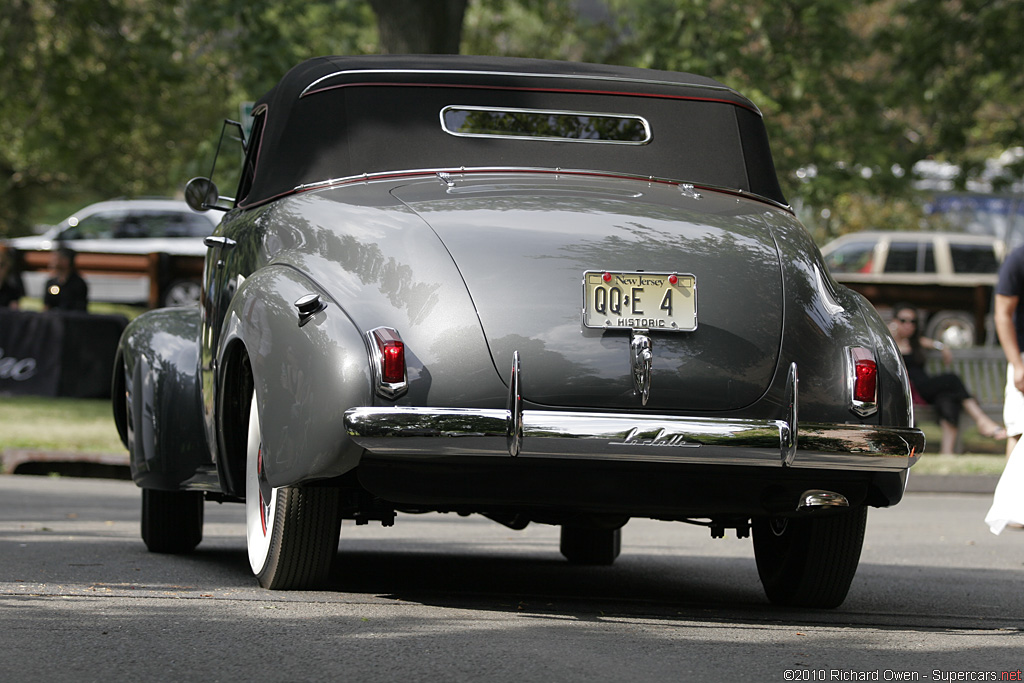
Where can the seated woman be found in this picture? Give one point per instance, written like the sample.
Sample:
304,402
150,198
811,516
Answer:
946,392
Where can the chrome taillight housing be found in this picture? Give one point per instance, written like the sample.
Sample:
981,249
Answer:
387,356
862,380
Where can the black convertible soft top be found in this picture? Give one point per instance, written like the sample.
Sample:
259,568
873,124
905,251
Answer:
338,117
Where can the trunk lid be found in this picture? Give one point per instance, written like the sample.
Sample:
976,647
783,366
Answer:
523,243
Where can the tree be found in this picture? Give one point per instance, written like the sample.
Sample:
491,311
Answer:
854,92
420,26
125,97
95,94
957,74
122,97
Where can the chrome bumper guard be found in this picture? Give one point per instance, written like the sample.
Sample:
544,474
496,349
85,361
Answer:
627,437
444,432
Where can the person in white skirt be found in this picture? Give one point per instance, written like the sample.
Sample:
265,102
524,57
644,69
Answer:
1008,501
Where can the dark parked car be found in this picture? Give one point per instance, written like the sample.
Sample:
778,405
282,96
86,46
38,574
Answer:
542,292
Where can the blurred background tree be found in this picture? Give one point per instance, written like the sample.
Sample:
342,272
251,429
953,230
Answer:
419,26
104,98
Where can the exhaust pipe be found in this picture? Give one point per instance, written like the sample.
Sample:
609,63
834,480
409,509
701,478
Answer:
817,499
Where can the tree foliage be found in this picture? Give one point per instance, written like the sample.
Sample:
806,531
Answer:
85,85
124,97
854,92
956,74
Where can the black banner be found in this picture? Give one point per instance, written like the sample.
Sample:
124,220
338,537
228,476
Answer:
30,345
58,353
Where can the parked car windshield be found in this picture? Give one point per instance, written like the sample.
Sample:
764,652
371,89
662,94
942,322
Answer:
137,224
98,226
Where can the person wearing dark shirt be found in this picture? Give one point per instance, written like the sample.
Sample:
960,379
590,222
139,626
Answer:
66,290
1010,329
11,286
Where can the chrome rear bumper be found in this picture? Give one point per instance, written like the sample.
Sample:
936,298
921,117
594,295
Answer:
444,432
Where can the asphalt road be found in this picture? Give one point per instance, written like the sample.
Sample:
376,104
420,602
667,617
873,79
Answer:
438,597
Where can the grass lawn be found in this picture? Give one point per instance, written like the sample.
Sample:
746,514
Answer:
87,425
968,463
99,307
982,456
58,424
62,424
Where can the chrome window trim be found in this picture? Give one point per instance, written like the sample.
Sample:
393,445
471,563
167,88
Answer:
558,112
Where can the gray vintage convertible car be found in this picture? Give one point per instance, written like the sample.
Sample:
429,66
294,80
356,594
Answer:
544,292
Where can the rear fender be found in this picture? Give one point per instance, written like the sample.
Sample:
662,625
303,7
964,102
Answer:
304,378
823,320
895,404
157,402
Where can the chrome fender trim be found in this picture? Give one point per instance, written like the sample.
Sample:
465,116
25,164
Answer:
445,432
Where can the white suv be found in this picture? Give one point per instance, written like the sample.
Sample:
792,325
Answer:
126,226
949,276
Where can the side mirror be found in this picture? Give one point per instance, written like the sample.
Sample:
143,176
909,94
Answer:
201,194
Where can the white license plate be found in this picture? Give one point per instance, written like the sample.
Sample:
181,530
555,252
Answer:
640,301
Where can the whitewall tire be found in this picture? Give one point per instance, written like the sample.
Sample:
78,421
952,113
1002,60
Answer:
291,532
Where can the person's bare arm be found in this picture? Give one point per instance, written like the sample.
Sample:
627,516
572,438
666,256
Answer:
1005,307
928,343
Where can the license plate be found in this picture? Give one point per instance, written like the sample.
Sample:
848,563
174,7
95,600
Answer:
640,301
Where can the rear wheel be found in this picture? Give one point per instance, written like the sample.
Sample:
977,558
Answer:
588,545
291,532
172,521
809,561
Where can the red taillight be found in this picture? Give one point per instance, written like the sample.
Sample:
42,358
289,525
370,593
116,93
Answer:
393,364
866,381
863,381
390,362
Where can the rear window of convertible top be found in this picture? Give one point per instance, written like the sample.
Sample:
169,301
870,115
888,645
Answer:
537,124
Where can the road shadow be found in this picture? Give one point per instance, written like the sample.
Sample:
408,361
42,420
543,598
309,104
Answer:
639,585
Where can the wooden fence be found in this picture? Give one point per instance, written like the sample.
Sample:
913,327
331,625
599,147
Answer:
983,371
161,269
